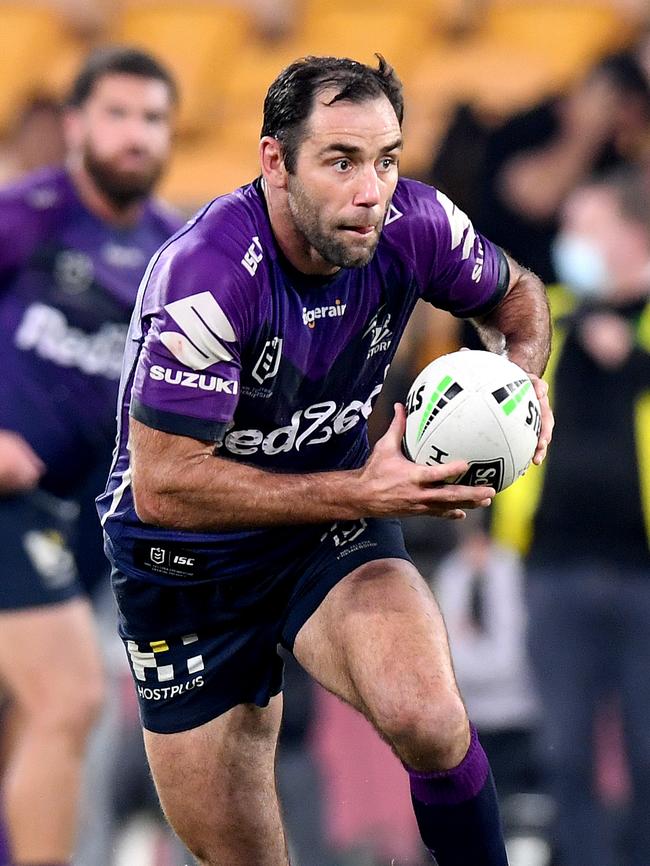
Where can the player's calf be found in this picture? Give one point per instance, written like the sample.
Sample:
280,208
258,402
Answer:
457,812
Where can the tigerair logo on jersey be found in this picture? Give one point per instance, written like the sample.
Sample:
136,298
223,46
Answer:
157,658
186,379
47,332
314,425
330,311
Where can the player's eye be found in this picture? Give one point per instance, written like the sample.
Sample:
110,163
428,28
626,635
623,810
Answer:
154,117
342,165
387,162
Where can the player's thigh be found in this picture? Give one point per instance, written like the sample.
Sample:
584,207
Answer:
378,641
210,774
49,658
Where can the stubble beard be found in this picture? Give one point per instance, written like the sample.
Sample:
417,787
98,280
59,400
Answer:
332,250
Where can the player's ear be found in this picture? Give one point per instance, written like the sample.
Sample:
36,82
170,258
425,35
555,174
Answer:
73,128
272,161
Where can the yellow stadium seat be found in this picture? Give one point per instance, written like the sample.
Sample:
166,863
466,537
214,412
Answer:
218,162
523,52
436,13
359,30
31,39
252,70
572,32
197,40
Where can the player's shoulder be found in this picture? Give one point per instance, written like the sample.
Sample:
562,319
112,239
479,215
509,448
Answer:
212,251
417,213
233,220
415,202
37,197
166,218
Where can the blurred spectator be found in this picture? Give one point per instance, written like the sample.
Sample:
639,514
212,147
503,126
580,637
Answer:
35,141
74,243
274,19
586,517
534,161
479,588
521,172
83,18
299,782
367,804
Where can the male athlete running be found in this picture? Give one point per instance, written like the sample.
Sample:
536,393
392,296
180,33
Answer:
246,512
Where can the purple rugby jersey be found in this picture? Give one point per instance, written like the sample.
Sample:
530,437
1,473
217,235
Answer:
228,343
67,287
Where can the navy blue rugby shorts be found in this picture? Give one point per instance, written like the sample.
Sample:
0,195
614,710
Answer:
198,650
38,563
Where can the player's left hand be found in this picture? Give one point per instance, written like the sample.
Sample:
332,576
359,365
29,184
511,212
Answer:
548,421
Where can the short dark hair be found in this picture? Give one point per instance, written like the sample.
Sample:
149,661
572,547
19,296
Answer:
632,190
289,100
117,60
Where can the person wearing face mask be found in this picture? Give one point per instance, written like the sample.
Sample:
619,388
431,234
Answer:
584,520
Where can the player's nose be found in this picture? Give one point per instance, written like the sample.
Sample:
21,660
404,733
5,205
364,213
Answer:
137,133
368,193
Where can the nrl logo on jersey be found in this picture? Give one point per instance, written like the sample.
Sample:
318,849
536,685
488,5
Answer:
268,362
381,335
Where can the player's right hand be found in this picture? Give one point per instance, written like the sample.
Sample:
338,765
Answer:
20,467
392,485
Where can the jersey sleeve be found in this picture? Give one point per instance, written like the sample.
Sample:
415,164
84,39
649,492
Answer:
196,315
458,269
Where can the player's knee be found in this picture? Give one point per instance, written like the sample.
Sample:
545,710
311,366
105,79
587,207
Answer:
70,711
431,735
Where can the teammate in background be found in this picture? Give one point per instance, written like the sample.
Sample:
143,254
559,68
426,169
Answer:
74,243
247,511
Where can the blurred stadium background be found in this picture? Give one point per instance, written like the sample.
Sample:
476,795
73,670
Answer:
499,56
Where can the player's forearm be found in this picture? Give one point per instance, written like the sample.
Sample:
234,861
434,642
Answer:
521,324
244,496
200,492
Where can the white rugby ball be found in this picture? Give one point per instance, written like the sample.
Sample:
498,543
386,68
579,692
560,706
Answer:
474,406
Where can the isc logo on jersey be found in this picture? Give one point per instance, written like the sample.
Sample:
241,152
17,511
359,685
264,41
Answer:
192,380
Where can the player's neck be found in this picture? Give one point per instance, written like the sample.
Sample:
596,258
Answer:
100,204
294,245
